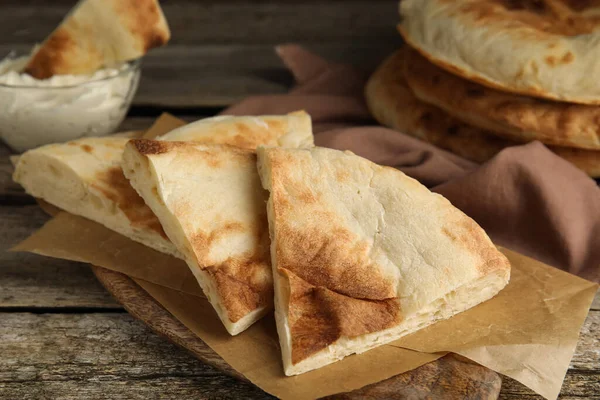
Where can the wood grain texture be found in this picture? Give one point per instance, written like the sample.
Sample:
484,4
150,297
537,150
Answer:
10,192
114,356
143,307
577,385
17,223
102,356
30,282
223,22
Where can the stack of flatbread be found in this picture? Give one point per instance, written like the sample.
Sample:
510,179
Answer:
481,75
351,255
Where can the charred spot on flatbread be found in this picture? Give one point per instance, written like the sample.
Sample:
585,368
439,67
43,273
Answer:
320,316
113,184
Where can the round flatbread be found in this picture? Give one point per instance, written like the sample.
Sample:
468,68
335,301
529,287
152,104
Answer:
509,115
542,48
393,104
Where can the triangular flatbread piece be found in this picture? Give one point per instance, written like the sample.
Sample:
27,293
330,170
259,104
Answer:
98,33
363,254
84,176
211,204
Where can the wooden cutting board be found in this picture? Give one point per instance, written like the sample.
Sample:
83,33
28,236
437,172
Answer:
450,377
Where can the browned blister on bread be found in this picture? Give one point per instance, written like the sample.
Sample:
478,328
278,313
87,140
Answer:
112,184
320,316
210,203
84,177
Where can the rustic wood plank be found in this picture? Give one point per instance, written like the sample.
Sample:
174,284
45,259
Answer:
221,75
587,353
10,192
17,223
156,386
221,22
112,355
31,281
576,386
596,303
102,356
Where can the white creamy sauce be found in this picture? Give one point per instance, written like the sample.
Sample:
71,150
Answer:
35,112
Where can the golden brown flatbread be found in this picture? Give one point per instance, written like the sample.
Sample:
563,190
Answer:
393,104
541,48
363,254
508,115
211,205
84,176
98,33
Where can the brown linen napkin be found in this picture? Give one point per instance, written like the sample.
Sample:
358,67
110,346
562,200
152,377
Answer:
526,198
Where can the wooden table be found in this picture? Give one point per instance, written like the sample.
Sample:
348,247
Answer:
61,334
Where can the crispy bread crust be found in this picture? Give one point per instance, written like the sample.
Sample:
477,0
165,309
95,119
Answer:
84,177
393,104
358,250
512,116
97,33
210,203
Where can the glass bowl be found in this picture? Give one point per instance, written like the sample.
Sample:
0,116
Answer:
52,111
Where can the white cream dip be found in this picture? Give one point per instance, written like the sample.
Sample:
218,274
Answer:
35,112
